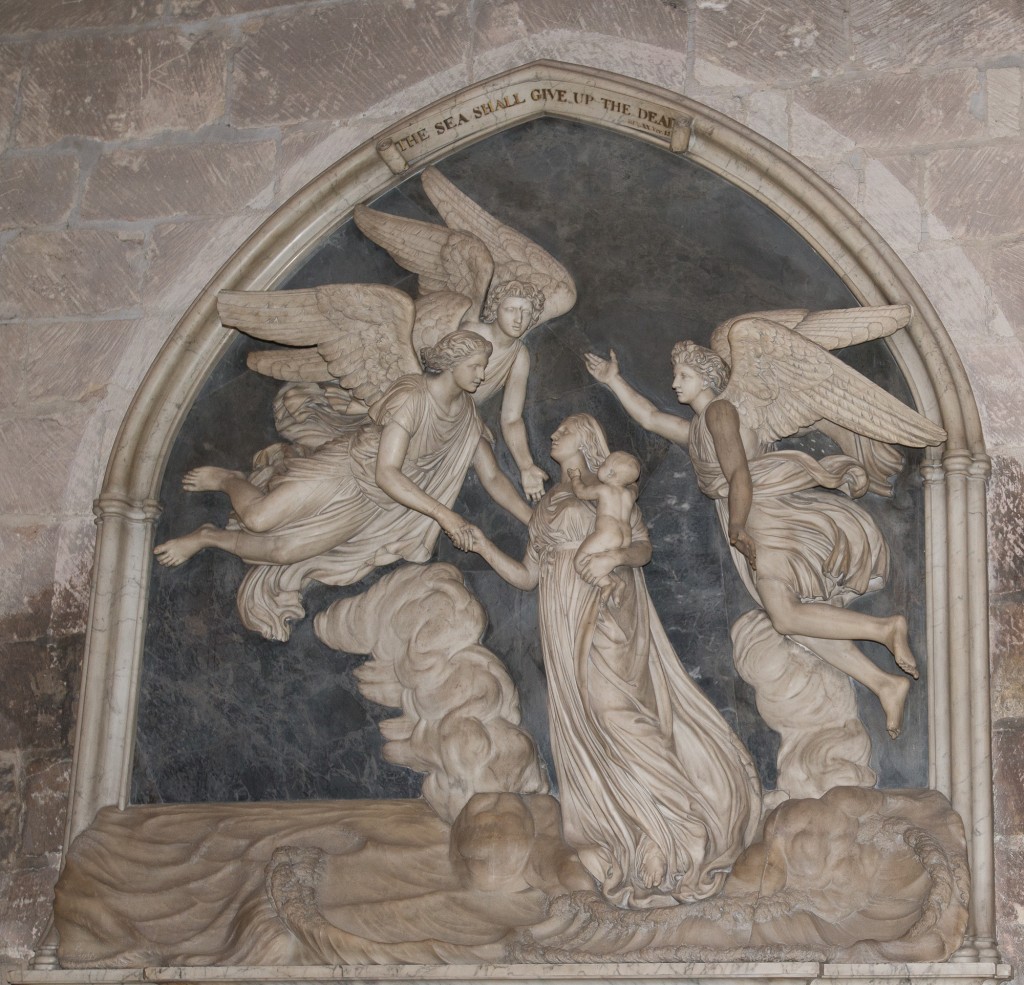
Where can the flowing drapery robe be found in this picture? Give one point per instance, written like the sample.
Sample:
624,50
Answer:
341,502
645,763
834,550
499,367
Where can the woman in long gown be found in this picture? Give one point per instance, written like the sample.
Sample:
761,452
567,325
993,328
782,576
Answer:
380,493
658,795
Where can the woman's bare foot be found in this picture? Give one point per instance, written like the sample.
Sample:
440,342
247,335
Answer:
208,478
893,698
899,644
651,863
171,553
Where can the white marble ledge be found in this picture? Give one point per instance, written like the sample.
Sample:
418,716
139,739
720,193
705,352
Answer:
720,973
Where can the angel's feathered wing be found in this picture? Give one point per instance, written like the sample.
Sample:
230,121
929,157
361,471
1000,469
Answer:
357,334
515,256
782,378
445,260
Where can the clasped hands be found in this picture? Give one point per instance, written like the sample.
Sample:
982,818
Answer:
463,534
467,537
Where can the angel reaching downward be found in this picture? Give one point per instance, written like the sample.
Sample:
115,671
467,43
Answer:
477,273
803,552
376,492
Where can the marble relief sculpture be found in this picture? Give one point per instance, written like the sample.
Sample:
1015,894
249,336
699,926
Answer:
857,876
497,281
659,845
460,721
379,492
380,488
658,795
803,551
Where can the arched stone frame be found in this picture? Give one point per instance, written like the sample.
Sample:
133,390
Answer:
959,727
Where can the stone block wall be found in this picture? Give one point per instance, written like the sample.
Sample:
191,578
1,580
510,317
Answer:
142,140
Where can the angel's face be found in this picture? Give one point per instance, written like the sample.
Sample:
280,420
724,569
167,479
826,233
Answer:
514,316
687,382
469,373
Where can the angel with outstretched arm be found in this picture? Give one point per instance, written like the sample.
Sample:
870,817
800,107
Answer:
384,487
802,552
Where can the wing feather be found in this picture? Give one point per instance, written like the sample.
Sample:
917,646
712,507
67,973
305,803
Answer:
361,334
288,317
287,364
833,329
436,316
781,382
853,326
516,257
444,259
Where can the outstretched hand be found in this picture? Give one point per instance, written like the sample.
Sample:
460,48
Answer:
603,370
533,478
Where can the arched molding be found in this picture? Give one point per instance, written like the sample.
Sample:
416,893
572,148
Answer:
959,710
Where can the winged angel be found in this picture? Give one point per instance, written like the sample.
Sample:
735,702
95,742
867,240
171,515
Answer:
477,273
376,452
802,552
378,491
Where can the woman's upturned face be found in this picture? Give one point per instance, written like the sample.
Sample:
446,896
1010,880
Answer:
514,316
687,382
469,373
565,443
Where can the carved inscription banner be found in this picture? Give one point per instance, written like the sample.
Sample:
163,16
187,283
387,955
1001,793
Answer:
425,136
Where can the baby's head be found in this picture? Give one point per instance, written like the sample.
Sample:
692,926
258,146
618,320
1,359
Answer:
619,469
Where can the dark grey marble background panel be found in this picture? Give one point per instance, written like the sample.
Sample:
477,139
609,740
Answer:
661,250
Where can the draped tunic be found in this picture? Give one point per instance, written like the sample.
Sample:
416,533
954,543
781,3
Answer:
499,367
645,763
342,503
834,551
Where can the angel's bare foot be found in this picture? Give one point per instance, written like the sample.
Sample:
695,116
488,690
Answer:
171,553
651,863
208,478
899,643
893,698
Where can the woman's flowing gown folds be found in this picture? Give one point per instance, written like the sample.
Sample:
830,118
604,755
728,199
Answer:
648,770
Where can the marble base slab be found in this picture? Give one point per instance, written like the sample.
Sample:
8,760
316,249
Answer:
721,973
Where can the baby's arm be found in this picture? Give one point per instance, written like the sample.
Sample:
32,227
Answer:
582,491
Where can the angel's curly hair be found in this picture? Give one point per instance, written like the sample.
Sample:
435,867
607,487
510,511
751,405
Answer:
705,361
512,289
451,350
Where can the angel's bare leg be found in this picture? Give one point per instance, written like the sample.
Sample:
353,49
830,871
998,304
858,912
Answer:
792,617
258,511
253,548
845,656
178,550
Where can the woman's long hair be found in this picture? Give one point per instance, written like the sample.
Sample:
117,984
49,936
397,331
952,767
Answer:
593,443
